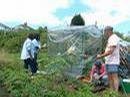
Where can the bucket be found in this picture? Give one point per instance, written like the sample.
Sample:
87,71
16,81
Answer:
126,85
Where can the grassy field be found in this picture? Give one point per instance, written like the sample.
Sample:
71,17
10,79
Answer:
19,83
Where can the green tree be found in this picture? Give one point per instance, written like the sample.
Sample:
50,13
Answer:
127,38
40,29
119,34
77,20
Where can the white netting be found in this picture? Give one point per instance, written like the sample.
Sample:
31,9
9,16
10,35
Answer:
72,43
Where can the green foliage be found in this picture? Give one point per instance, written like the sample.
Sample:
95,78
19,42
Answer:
13,41
119,34
41,30
54,84
77,20
127,38
11,45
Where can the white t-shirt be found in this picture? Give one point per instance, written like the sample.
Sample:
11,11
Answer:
114,58
26,47
36,44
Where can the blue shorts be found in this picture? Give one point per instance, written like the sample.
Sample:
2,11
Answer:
112,68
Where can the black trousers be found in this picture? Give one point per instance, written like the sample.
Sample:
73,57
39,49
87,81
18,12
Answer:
30,63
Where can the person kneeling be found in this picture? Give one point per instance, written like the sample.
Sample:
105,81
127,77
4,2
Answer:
98,74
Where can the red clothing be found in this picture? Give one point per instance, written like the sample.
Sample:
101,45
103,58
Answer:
95,70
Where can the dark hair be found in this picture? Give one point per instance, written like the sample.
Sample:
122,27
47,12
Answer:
31,36
86,53
108,28
98,64
37,36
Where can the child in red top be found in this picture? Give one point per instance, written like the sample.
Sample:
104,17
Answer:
98,73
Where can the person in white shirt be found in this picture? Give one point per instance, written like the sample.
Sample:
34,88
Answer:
36,45
112,57
27,54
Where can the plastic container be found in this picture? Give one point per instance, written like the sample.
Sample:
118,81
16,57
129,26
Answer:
126,85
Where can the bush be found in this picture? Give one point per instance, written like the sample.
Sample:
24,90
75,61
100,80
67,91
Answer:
77,20
20,84
53,84
13,41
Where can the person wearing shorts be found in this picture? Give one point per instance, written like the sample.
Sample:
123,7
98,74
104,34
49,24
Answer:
112,57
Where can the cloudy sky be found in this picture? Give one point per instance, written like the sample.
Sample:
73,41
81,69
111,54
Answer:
59,12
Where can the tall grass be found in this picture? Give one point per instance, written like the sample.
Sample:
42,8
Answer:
4,57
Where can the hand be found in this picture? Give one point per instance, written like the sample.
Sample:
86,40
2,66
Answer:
97,77
44,46
90,81
85,56
31,58
98,57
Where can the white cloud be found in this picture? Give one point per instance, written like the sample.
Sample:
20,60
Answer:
107,12
103,18
32,11
42,11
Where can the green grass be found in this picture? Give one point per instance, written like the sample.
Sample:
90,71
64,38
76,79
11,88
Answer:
20,84
54,84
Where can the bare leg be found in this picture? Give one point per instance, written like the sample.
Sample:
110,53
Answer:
116,81
110,81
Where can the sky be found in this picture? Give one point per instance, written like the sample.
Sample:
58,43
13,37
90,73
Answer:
54,13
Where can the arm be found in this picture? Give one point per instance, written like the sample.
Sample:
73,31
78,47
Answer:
102,74
43,46
104,71
28,47
112,43
91,73
109,52
29,52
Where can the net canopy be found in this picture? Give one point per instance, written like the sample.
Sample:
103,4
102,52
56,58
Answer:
73,42
124,68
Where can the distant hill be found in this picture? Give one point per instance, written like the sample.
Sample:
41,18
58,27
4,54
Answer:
23,27
18,28
4,27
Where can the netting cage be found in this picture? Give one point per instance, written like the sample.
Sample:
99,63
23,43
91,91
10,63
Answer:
124,67
73,42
